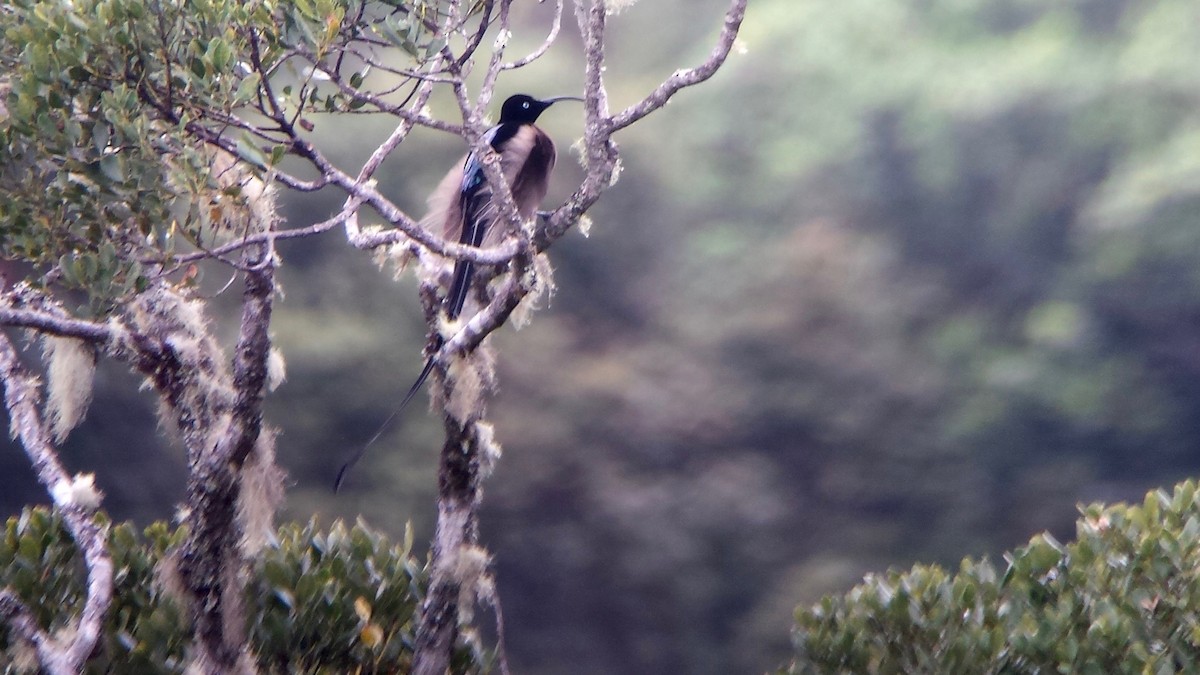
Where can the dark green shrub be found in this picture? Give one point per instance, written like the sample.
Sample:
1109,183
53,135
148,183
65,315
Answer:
1124,597
341,601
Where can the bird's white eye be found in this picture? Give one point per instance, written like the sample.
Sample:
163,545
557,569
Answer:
525,104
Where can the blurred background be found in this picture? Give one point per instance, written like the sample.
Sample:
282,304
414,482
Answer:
907,281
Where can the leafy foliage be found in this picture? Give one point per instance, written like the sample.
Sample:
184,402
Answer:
103,166
1123,598
318,602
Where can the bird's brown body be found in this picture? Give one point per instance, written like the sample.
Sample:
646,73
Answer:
526,161
463,208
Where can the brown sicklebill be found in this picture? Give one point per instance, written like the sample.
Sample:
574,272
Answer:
464,208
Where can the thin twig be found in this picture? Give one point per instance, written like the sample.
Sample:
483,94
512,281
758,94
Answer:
536,54
686,78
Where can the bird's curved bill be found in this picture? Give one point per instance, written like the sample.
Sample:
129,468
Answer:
556,99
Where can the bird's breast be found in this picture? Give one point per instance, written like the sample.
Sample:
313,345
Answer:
528,159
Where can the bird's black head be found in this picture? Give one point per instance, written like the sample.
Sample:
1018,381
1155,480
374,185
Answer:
524,109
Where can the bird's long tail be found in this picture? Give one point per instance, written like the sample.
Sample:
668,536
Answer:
473,230
464,270
412,392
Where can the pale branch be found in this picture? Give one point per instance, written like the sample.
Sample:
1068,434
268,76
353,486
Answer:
23,307
501,253
62,326
384,66
411,114
21,397
366,192
600,150
99,582
551,38
397,136
257,239
496,63
487,320
687,78
592,18
417,117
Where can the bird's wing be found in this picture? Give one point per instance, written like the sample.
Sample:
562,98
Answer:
472,176
476,208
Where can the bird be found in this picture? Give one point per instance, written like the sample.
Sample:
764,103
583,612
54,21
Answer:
463,206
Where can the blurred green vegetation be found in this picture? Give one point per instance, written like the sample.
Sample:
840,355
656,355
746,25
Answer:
336,600
1122,598
906,281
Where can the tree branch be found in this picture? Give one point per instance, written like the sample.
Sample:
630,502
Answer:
44,322
211,562
459,475
551,38
77,500
487,320
686,78
601,155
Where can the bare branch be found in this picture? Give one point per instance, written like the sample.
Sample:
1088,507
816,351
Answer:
600,152
96,333
686,78
496,64
487,320
491,255
536,54
261,238
601,155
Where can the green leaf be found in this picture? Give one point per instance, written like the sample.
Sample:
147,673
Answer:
112,167
220,54
250,152
277,154
248,89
